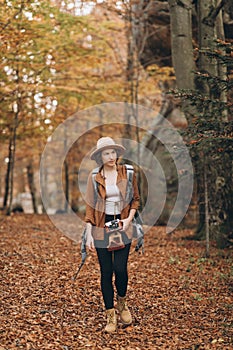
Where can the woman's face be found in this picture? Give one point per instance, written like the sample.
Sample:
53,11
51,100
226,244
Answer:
109,157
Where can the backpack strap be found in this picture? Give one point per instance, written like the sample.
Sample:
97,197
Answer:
95,184
130,172
137,221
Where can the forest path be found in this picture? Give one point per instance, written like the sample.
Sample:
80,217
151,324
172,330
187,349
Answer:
178,298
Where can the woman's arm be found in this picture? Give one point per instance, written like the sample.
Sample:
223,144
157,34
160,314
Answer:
90,210
89,238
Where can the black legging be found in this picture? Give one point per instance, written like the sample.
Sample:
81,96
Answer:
113,262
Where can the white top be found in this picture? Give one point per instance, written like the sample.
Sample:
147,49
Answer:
113,200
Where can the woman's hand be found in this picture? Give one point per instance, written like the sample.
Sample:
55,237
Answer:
126,223
89,240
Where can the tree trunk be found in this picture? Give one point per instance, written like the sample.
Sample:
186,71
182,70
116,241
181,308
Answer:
182,48
12,159
219,163
207,37
222,68
181,42
207,218
32,187
66,175
7,177
136,40
66,169
220,193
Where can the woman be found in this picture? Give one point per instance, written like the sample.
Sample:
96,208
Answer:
110,203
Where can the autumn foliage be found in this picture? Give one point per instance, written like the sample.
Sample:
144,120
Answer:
179,299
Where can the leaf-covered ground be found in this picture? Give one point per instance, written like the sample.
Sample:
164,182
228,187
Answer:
179,299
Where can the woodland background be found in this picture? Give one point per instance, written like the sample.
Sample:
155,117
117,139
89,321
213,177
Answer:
58,58
172,57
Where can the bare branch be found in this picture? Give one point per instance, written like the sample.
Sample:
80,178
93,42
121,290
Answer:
210,19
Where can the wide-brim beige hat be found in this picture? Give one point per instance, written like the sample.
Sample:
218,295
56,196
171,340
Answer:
104,143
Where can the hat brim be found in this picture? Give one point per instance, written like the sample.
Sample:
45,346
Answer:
119,148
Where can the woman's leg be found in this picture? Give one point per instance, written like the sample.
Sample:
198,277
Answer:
120,262
106,270
121,282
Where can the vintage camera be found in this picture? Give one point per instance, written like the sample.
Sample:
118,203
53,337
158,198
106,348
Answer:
113,229
113,225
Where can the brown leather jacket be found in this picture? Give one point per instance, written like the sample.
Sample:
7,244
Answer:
95,212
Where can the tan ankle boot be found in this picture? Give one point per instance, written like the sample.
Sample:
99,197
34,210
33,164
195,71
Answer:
111,321
122,307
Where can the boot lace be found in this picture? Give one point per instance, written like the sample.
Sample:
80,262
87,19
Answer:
122,305
111,318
